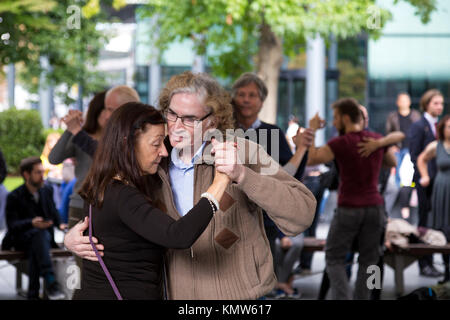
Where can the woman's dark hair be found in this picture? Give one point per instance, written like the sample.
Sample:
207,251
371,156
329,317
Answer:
441,127
350,107
115,156
95,107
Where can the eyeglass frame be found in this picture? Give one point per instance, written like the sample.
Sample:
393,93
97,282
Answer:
185,117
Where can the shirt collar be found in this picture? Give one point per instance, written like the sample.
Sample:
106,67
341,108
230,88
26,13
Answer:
255,125
430,118
177,162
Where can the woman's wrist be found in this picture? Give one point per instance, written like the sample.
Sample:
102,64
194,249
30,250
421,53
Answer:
213,201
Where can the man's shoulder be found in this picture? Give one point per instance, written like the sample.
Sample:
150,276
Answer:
421,122
392,114
418,127
17,192
46,189
336,139
372,134
265,125
415,114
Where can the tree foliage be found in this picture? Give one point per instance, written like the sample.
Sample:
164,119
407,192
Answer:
21,136
58,30
229,30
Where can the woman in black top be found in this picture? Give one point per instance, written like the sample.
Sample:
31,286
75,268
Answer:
125,218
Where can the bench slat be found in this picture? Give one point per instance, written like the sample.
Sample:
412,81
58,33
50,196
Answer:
20,255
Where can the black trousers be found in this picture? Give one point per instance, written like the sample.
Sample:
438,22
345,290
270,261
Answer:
424,198
314,185
37,248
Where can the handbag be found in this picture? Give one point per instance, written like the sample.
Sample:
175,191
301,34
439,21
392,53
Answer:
100,260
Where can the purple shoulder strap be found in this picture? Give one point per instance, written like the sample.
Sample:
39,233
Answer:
102,264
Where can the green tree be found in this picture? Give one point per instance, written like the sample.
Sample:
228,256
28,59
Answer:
241,35
61,32
21,136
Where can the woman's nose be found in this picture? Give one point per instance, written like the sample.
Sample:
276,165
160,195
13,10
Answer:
163,152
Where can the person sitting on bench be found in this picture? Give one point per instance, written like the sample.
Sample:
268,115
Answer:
30,217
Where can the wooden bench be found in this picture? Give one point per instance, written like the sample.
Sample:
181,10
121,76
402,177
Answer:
313,244
400,258
397,258
19,260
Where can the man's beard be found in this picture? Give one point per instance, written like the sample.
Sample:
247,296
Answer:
37,184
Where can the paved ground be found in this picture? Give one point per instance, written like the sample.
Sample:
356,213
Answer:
308,285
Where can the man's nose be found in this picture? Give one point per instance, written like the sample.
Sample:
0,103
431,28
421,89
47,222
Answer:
178,124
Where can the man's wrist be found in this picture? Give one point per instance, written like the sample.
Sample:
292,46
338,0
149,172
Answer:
241,174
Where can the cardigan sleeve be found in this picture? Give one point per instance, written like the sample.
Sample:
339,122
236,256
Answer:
287,202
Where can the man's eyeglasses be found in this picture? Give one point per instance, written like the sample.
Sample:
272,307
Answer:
188,121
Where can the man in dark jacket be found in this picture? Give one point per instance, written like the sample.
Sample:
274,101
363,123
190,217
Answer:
421,133
30,217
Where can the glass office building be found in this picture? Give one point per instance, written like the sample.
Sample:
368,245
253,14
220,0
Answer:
409,56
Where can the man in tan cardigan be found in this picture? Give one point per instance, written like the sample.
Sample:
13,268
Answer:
232,258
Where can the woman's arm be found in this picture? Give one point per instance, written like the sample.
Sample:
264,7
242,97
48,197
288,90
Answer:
422,163
158,227
369,145
389,158
303,140
62,150
85,142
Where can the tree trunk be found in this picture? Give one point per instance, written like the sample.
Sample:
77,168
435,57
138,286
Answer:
270,59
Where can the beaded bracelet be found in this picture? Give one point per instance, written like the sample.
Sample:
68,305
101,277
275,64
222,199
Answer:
212,201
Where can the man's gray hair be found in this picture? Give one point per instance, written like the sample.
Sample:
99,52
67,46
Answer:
246,79
201,85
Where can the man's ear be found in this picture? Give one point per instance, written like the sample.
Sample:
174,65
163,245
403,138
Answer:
345,119
26,176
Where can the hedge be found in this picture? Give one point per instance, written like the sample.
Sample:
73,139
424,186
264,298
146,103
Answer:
21,135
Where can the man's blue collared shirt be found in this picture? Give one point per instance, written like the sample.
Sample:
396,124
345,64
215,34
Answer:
255,125
181,177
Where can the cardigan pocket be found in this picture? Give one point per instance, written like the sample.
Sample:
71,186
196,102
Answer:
251,266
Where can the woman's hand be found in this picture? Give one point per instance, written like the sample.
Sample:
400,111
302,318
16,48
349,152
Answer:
73,121
424,181
316,122
367,146
304,138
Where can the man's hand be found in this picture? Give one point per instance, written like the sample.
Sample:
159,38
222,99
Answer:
317,122
63,226
73,121
40,223
79,244
226,160
304,138
367,146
